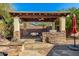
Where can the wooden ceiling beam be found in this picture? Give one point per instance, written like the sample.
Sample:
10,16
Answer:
38,14
38,19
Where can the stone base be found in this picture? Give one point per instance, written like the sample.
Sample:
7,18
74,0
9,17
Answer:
17,35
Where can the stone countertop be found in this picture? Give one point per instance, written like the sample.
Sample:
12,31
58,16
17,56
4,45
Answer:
9,43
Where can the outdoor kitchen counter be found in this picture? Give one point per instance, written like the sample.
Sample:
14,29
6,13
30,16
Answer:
54,37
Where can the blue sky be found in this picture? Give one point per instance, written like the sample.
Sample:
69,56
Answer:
42,7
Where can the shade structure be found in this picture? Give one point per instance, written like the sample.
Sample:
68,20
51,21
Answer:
74,24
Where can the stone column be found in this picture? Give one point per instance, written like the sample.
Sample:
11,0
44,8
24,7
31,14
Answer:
62,23
16,28
53,25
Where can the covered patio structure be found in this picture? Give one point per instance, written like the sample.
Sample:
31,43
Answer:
57,20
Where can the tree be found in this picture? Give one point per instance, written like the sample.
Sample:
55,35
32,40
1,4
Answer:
6,20
72,11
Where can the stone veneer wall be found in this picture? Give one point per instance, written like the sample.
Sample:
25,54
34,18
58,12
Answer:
54,37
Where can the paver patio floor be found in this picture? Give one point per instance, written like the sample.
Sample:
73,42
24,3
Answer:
36,49
33,48
62,50
29,49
